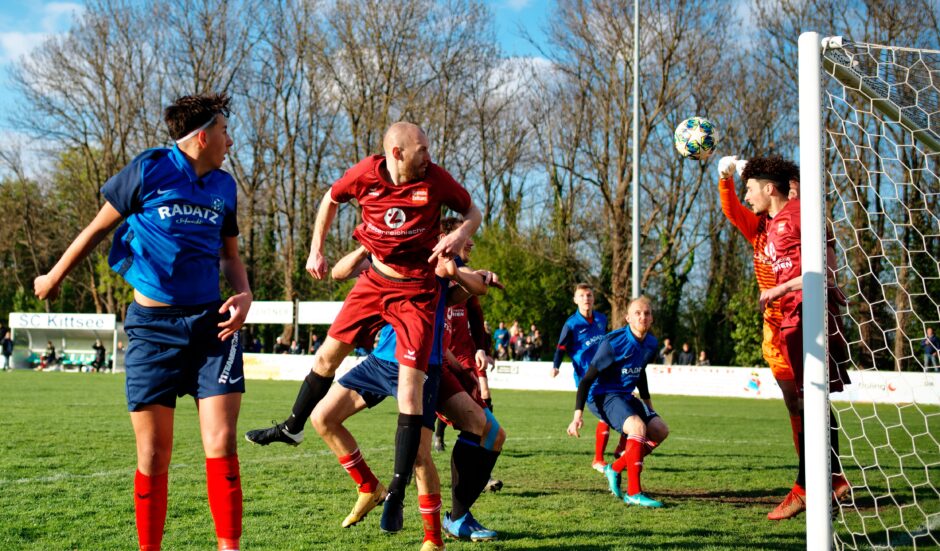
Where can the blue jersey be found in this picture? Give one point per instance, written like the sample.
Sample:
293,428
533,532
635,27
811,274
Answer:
385,348
620,360
168,246
579,339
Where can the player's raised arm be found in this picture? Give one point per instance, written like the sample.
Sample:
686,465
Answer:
316,263
454,242
739,215
46,287
351,265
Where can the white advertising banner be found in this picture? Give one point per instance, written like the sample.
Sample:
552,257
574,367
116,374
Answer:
317,313
888,387
87,322
271,311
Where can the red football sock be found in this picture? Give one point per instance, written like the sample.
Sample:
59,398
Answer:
795,424
225,499
430,507
632,461
621,445
649,446
360,472
601,434
150,509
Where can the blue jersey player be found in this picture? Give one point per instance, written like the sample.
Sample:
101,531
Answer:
619,368
579,338
179,232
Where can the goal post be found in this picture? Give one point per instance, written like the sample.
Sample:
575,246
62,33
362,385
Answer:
870,186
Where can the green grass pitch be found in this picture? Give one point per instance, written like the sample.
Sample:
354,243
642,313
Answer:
67,462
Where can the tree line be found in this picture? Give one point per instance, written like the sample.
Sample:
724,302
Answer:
543,144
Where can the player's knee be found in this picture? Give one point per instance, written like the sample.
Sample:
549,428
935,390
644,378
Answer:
493,434
153,460
500,439
658,430
320,421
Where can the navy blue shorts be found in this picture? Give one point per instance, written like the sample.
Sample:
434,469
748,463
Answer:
614,409
376,379
174,351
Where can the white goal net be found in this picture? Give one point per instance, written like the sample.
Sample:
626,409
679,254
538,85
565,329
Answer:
881,170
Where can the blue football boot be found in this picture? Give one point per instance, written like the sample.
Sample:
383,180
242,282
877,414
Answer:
467,527
613,481
642,500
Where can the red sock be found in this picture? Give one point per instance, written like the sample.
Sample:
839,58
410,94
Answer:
649,446
621,445
225,499
601,434
795,423
632,461
150,509
360,472
430,507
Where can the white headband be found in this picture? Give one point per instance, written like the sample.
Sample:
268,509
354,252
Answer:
196,131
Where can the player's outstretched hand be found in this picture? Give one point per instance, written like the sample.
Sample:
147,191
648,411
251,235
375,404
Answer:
449,245
726,166
739,166
46,287
238,305
574,429
490,279
317,265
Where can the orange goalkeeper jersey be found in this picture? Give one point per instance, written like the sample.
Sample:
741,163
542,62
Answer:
754,229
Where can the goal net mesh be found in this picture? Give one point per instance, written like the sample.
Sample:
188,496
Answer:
881,148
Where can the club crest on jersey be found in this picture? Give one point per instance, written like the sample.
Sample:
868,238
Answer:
394,218
218,204
420,196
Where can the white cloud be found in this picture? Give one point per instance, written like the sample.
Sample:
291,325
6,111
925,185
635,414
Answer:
54,17
15,44
518,5
57,16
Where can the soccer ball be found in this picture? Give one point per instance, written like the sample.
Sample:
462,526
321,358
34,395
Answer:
696,138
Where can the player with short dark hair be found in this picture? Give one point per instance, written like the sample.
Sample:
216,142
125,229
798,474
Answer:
768,188
179,231
619,368
400,196
579,337
754,228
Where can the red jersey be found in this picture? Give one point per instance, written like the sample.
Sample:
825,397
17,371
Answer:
400,224
754,228
458,338
783,248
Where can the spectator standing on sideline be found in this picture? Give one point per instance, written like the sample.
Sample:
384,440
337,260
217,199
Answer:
686,357
667,353
501,339
295,348
703,359
99,362
930,344
7,351
314,344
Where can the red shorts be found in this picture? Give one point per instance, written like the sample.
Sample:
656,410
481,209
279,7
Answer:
791,345
470,362
454,381
407,305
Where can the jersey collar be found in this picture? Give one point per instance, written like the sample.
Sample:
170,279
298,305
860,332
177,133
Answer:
183,165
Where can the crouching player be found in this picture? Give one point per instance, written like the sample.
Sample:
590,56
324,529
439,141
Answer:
619,367
179,232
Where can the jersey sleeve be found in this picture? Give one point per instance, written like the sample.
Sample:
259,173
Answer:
475,319
230,224
344,189
642,385
453,195
739,215
563,343
122,190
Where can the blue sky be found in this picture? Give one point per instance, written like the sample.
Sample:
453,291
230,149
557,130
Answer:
25,24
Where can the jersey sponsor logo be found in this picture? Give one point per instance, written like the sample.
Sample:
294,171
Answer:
782,264
394,218
420,196
592,341
188,214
